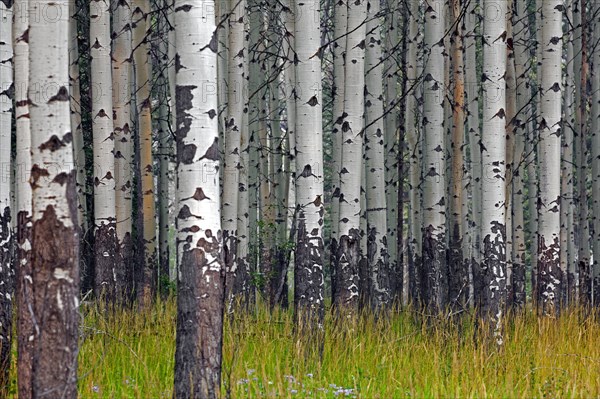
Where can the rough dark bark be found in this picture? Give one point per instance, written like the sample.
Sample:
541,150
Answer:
199,324
6,294
24,299
106,250
309,287
434,263
549,276
347,271
55,258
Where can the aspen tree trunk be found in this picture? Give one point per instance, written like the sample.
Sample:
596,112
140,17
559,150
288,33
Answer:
348,258
595,153
581,77
550,277
236,103
391,146
474,131
340,26
165,153
414,158
493,146
532,157
78,146
121,75
377,239
511,113
254,125
201,284
242,285
24,294
434,160
308,271
458,271
523,94
567,238
146,281
55,238
105,242
6,239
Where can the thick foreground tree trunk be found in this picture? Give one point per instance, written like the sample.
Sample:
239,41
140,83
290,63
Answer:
201,281
55,238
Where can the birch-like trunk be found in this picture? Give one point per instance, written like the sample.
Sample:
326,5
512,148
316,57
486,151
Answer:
146,279
567,235
348,258
6,238
511,113
121,77
581,78
493,154
413,141
457,268
434,160
105,241
391,146
523,93
236,103
380,275
474,131
550,277
24,293
308,271
340,23
55,238
200,299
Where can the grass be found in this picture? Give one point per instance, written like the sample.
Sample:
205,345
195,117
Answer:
131,355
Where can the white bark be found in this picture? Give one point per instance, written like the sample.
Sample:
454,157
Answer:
549,158
308,272
493,217
434,157
103,144
377,239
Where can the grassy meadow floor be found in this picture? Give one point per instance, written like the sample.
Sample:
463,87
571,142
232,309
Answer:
131,355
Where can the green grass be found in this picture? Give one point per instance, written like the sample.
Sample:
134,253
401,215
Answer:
131,355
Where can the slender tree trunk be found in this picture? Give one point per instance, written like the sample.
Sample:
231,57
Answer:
340,26
567,238
390,129
581,78
595,152
520,22
236,103
474,131
348,258
105,250
6,239
458,272
414,158
511,113
146,280
493,146
24,294
165,153
121,75
377,239
308,273
434,160
550,278
55,238
201,284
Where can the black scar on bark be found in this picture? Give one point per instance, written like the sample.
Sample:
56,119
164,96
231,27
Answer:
212,153
53,144
62,95
348,251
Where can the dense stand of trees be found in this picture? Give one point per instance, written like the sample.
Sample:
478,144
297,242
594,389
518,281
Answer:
442,154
